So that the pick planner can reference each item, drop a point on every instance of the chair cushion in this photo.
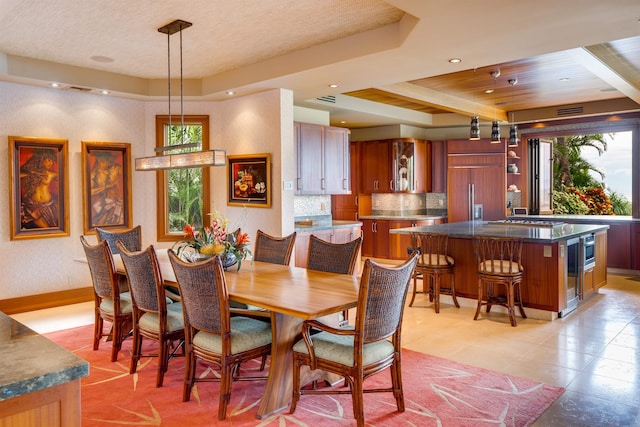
(125, 304)
(435, 259)
(496, 266)
(175, 320)
(246, 334)
(339, 349)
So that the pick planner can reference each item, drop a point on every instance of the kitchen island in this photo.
(544, 257)
(39, 380)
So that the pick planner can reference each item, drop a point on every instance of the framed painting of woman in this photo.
(38, 187)
(106, 185)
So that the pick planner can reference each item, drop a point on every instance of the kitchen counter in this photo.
(404, 217)
(326, 226)
(528, 233)
(36, 372)
(544, 257)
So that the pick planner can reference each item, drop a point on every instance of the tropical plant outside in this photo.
(185, 185)
(576, 191)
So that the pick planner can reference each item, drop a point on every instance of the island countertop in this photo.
(529, 233)
(31, 362)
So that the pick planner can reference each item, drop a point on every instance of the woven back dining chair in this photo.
(131, 239)
(434, 263)
(211, 334)
(499, 264)
(110, 304)
(370, 347)
(334, 258)
(153, 318)
(272, 249)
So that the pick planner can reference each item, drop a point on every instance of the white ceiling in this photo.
(303, 45)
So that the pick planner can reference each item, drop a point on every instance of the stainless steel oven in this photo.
(588, 251)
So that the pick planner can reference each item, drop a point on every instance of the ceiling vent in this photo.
(328, 98)
(570, 111)
(79, 89)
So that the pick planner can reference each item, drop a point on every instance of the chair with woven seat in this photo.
(434, 262)
(110, 304)
(370, 347)
(499, 263)
(334, 258)
(274, 250)
(153, 318)
(211, 334)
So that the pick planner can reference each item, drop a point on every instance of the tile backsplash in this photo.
(408, 204)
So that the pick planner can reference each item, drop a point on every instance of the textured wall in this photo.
(261, 123)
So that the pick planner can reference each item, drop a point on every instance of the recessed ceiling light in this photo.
(488, 91)
(105, 92)
(333, 85)
(455, 60)
(230, 92)
(55, 84)
(343, 121)
(564, 79)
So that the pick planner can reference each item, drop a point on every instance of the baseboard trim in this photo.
(48, 300)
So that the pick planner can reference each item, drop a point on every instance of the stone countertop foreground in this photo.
(31, 362)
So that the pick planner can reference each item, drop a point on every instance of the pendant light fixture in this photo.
(179, 160)
(513, 129)
(495, 126)
(474, 131)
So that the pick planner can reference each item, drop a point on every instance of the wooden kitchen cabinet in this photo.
(345, 206)
(398, 243)
(395, 165)
(322, 159)
(375, 238)
(438, 166)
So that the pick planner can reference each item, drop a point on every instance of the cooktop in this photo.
(528, 222)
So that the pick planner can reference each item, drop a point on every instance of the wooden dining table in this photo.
(292, 295)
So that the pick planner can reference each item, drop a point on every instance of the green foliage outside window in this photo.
(185, 185)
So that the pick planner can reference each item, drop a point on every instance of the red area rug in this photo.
(438, 392)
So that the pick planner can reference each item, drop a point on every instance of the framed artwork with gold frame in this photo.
(249, 180)
(38, 187)
(106, 185)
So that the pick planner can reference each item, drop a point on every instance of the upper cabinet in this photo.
(395, 165)
(322, 159)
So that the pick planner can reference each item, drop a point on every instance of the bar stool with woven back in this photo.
(433, 263)
(499, 263)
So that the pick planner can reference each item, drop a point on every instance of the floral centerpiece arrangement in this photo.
(214, 240)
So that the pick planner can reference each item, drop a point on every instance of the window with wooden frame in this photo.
(183, 195)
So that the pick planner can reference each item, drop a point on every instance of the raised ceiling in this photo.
(389, 58)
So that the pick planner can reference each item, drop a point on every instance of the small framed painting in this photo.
(38, 187)
(249, 180)
(106, 185)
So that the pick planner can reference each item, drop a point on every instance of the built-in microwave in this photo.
(588, 247)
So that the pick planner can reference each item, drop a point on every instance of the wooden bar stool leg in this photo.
(415, 287)
(436, 292)
(453, 290)
(479, 300)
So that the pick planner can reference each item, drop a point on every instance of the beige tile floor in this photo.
(594, 352)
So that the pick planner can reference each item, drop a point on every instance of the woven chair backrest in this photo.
(333, 257)
(498, 255)
(131, 239)
(433, 248)
(145, 280)
(274, 250)
(203, 291)
(102, 268)
(381, 298)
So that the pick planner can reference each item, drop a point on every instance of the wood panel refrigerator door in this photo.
(489, 191)
(458, 195)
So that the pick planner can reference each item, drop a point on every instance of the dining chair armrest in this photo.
(315, 325)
